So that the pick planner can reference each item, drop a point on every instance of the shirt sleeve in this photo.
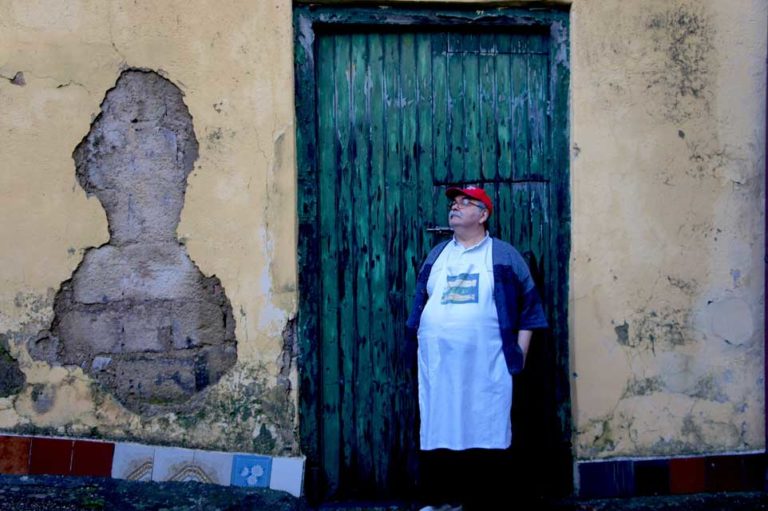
(530, 310)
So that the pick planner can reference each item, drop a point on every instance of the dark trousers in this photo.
(475, 478)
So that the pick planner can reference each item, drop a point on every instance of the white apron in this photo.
(465, 390)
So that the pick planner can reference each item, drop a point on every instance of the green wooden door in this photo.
(389, 116)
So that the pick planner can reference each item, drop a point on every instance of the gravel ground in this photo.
(49, 493)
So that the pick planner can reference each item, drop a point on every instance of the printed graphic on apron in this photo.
(461, 288)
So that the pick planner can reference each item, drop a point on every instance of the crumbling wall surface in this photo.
(138, 316)
(667, 263)
(111, 313)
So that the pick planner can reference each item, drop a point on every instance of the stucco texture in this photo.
(668, 108)
(666, 271)
(233, 63)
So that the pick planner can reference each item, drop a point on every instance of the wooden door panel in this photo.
(397, 116)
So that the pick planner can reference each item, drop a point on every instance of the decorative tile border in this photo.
(21, 455)
(665, 476)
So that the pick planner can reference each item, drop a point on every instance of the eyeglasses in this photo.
(463, 203)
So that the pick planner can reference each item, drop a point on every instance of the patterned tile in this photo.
(50, 456)
(173, 464)
(92, 458)
(251, 471)
(605, 479)
(14, 455)
(687, 475)
(176, 464)
(213, 467)
(287, 475)
(133, 461)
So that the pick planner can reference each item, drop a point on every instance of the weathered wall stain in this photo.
(138, 315)
(250, 412)
(651, 329)
(683, 34)
(622, 333)
(287, 361)
(598, 436)
(12, 379)
(687, 287)
(43, 397)
(666, 327)
(643, 386)
(709, 387)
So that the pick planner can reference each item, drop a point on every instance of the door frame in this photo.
(307, 21)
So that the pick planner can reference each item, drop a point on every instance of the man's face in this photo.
(466, 212)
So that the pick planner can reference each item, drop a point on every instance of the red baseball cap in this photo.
(472, 192)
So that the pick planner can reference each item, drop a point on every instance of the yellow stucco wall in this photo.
(233, 61)
(666, 273)
(667, 166)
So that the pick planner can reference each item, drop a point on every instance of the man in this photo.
(473, 315)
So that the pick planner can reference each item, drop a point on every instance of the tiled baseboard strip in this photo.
(21, 455)
(671, 476)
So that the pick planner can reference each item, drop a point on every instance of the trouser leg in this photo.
(440, 474)
(487, 485)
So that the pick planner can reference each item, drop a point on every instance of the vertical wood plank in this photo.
(441, 106)
(560, 235)
(502, 221)
(490, 122)
(470, 48)
(403, 389)
(425, 163)
(538, 115)
(520, 126)
(328, 148)
(363, 394)
(522, 216)
(347, 353)
(456, 109)
(393, 235)
(308, 250)
(378, 247)
(504, 102)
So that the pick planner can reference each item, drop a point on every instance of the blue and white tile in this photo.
(250, 470)
(172, 464)
(287, 475)
(134, 462)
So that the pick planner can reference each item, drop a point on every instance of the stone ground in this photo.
(49, 493)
